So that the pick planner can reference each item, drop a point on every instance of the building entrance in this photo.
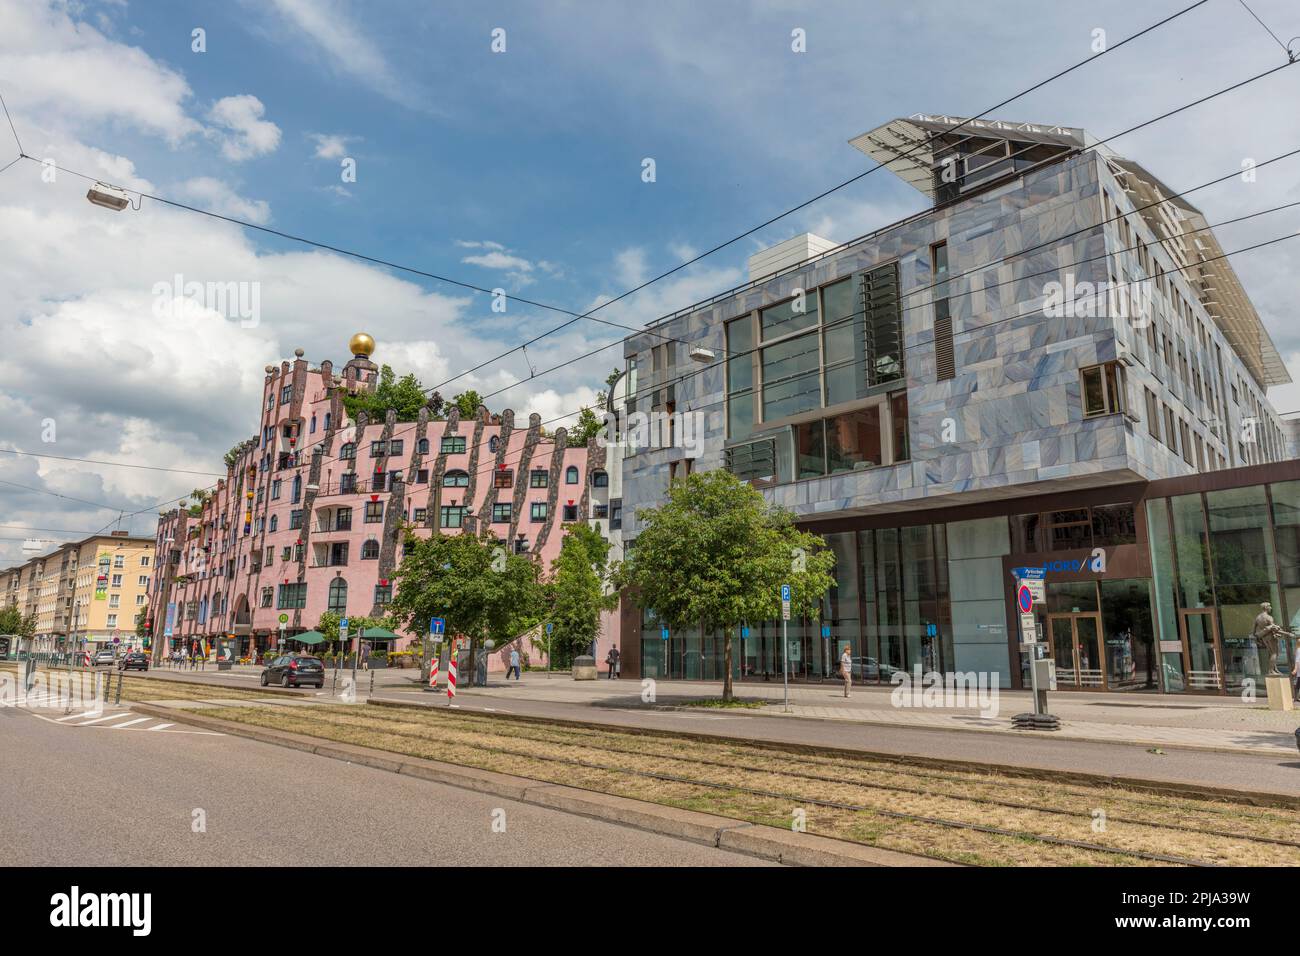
(1075, 641)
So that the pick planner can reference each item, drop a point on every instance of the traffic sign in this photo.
(744, 632)
(550, 626)
(343, 622)
(437, 625)
(665, 633)
(1028, 629)
(284, 618)
(1025, 599)
(826, 630)
(785, 602)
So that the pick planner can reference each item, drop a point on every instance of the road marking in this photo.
(162, 726)
(98, 719)
(138, 720)
(76, 716)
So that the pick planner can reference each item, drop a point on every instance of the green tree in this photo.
(404, 396)
(468, 403)
(716, 555)
(588, 425)
(139, 622)
(13, 622)
(577, 590)
(200, 497)
(474, 584)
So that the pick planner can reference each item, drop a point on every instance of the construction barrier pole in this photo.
(451, 677)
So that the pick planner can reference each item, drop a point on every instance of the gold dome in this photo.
(361, 344)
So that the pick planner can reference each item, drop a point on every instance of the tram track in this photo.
(873, 801)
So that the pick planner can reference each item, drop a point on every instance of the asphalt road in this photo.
(92, 796)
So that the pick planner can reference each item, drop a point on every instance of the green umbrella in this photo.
(308, 637)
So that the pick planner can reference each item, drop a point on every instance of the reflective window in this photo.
(799, 313)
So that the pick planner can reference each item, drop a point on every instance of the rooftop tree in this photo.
(716, 554)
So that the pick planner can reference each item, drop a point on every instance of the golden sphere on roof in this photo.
(361, 344)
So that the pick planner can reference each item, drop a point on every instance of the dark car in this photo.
(133, 661)
(293, 670)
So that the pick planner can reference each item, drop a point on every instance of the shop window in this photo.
(1113, 525)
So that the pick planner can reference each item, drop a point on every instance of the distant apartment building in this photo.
(314, 510)
(86, 593)
(1053, 362)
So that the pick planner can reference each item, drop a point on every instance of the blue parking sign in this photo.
(785, 592)
(665, 633)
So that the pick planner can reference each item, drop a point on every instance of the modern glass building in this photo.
(1053, 366)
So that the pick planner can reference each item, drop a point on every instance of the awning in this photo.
(379, 634)
(307, 637)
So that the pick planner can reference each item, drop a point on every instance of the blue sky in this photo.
(519, 169)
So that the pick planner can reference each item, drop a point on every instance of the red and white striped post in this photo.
(433, 672)
(451, 675)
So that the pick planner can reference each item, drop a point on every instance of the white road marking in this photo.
(138, 720)
(162, 726)
(98, 719)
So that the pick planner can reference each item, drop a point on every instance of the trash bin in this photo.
(584, 667)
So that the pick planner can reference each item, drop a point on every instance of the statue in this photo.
(1268, 631)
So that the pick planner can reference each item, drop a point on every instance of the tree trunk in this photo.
(726, 657)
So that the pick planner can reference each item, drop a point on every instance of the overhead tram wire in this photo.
(1285, 49)
(116, 464)
(1125, 132)
(822, 195)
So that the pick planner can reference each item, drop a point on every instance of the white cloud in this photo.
(630, 267)
(480, 244)
(217, 196)
(248, 135)
(331, 31)
(331, 145)
(499, 260)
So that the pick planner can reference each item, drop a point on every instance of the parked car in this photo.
(133, 661)
(293, 670)
(103, 657)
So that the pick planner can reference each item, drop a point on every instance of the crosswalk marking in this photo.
(162, 726)
(138, 720)
(98, 719)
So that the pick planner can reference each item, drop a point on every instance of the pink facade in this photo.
(312, 515)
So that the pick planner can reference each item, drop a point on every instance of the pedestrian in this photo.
(365, 656)
(846, 669)
(514, 664)
(612, 660)
(1295, 671)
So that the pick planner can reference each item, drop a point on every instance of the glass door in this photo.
(1075, 641)
(1201, 645)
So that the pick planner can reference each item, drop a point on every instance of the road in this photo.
(77, 795)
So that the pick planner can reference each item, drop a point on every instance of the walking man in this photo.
(612, 660)
(846, 669)
(514, 664)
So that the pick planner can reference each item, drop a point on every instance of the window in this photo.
(292, 596)
(615, 515)
(599, 479)
(348, 452)
(275, 522)
(420, 514)
(422, 476)
(383, 595)
(374, 512)
(144, 560)
(944, 361)
(117, 580)
(501, 512)
(295, 518)
(791, 373)
(139, 599)
(370, 550)
(112, 620)
(348, 483)
(740, 377)
(115, 600)
(143, 581)
(1102, 389)
(1153, 414)
(422, 446)
(268, 595)
(378, 449)
(493, 444)
(538, 478)
(453, 516)
(570, 513)
(453, 445)
(338, 599)
(455, 479)
(312, 429)
(571, 475)
(275, 489)
(396, 445)
(843, 343)
(270, 555)
(286, 394)
(119, 560)
(503, 478)
(343, 519)
(1171, 429)
(537, 511)
(793, 316)
(285, 552)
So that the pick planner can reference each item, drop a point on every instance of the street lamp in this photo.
(110, 197)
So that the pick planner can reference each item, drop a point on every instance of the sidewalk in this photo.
(1156, 720)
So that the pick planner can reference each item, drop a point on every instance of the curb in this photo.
(738, 836)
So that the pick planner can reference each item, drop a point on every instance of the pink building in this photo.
(310, 516)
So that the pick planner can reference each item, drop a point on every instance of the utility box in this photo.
(584, 667)
(1045, 674)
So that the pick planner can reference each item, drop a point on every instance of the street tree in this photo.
(579, 591)
(716, 554)
(12, 621)
(474, 584)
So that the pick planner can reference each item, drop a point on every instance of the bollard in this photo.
(334, 688)
(117, 698)
(372, 683)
